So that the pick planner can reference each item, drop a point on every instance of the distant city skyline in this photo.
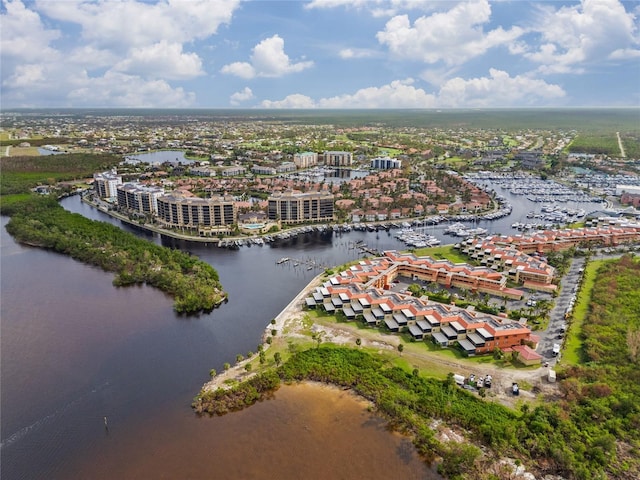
(319, 54)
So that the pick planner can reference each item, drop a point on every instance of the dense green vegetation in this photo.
(547, 435)
(34, 142)
(614, 119)
(631, 144)
(602, 396)
(614, 315)
(19, 174)
(41, 221)
(596, 144)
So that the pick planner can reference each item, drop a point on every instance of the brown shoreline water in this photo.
(309, 430)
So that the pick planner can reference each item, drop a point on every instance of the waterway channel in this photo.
(75, 350)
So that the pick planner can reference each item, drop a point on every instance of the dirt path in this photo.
(623, 154)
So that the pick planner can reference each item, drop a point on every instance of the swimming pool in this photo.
(252, 226)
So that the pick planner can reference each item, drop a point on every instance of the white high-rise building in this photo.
(139, 198)
(106, 184)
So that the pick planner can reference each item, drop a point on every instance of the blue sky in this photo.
(320, 53)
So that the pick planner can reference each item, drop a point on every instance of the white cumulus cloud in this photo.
(267, 60)
(577, 36)
(116, 89)
(161, 60)
(397, 94)
(23, 35)
(130, 23)
(295, 100)
(241, 96)
(378, 8)
(138, 45)
(453, 37)
(499, 89)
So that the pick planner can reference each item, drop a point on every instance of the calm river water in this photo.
(74, 350)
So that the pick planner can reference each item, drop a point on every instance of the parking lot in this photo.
(556, 330)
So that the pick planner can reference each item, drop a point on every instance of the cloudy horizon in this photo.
(315, 54)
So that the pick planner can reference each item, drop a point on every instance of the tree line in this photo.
(546, 435)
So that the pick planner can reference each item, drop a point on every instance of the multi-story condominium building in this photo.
(202, 171)
(530, 159)
(196, 213)
(305, 159)
(338, 159)
(557, 240)
(290, 207)
(233, 171)
(106, 184)
(285, 167)
(381, 273)
(263, 170)
(358, 293)
(385, 163)
(139, 198)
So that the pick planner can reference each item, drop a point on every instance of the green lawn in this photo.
(573, 345)
(443, 252)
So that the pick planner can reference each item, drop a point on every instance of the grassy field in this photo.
(444, 252)
(21, 151)
(573, 354)
(596, 143)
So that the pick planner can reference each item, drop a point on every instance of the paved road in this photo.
(569, 285)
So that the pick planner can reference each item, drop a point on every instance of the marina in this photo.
(116, 363)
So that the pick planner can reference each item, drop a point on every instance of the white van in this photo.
(556, 349)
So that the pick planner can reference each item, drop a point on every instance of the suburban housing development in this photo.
(362, 292)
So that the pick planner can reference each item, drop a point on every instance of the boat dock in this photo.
(308, 263)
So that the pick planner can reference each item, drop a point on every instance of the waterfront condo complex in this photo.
(295, 207)
(362, 292)
(208, 215)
